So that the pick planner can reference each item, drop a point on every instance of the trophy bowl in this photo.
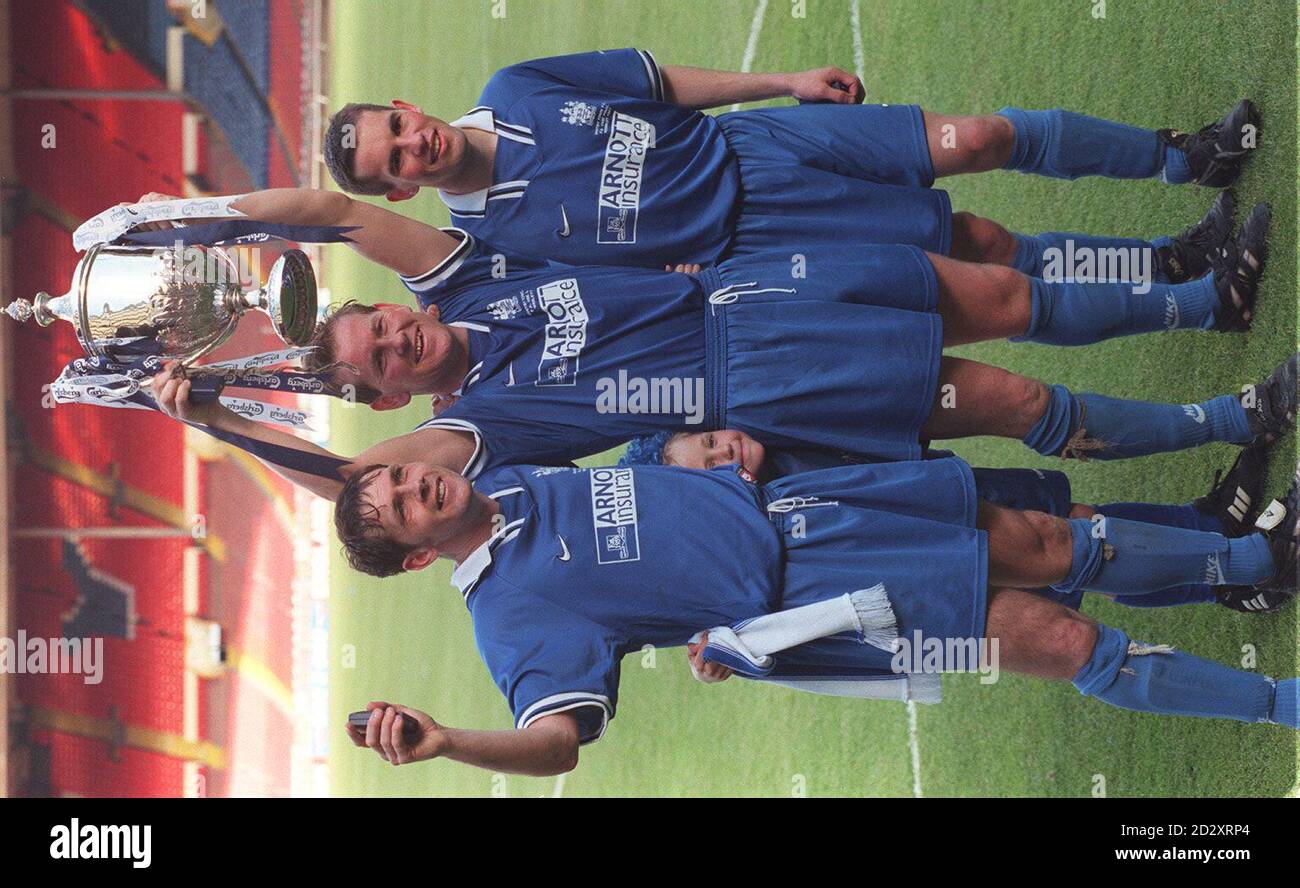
(188, 299)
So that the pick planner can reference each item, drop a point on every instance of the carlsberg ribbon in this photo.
(221, 224)
(110, 383)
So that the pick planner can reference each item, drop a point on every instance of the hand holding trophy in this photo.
(145, 294)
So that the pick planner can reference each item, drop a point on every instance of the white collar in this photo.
(470, 571)
(481, 118)
(475, 202)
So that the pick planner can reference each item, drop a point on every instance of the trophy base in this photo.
(291, 297)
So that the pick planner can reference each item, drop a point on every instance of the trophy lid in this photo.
(291, 297)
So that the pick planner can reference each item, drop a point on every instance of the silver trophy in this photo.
(125, 292)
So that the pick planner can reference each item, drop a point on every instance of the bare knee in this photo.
(974, 144)
(1069, 640)
(977, 239)
(985, 142)
(1026, 400)
(1051, 537)
(1080, 510)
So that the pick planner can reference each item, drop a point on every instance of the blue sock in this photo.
(1158, 679)
(1174, 596)
(1286, 702)
(1185, 516)
(1098, 427)
(1065, 145)
(1081, 314)
(1064, 255)
(1176, 171)
(1121, 557)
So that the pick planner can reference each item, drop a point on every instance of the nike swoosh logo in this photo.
(565, 547)
(563, 232)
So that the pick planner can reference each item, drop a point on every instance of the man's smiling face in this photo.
(424, 507)
(420, 505)
(399, 352)
(406, 149)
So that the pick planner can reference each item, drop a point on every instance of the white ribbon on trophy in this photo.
(108, 226)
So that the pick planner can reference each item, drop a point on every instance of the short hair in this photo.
(324, 354)
(341, 152)
(648, 450)
(366, 544)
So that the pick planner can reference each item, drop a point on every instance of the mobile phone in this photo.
(410, 727)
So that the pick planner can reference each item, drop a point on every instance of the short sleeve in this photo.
(546, 660)
(625, 72)
(471, 262)
(511, 431)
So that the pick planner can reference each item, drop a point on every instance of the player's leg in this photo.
(1176, 259)
(1122, 558)
(979, 399)
(1046, 639)
(980, 301)
(992, 301)
(1059, 255)
(978, 239)
(1066, 145)
(1229, 508)
(968, 143)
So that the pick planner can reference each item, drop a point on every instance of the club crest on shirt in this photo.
(578, 113)
(505, 309)
(566, 332)
(613, 513)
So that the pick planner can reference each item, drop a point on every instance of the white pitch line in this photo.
(859, 54)
(915, 747)
(751, 45)
(558, 792)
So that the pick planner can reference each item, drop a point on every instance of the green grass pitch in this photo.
(1154, 63)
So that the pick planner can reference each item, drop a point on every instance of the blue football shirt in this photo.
(555, 369)
(590, 564)
(594, 168)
